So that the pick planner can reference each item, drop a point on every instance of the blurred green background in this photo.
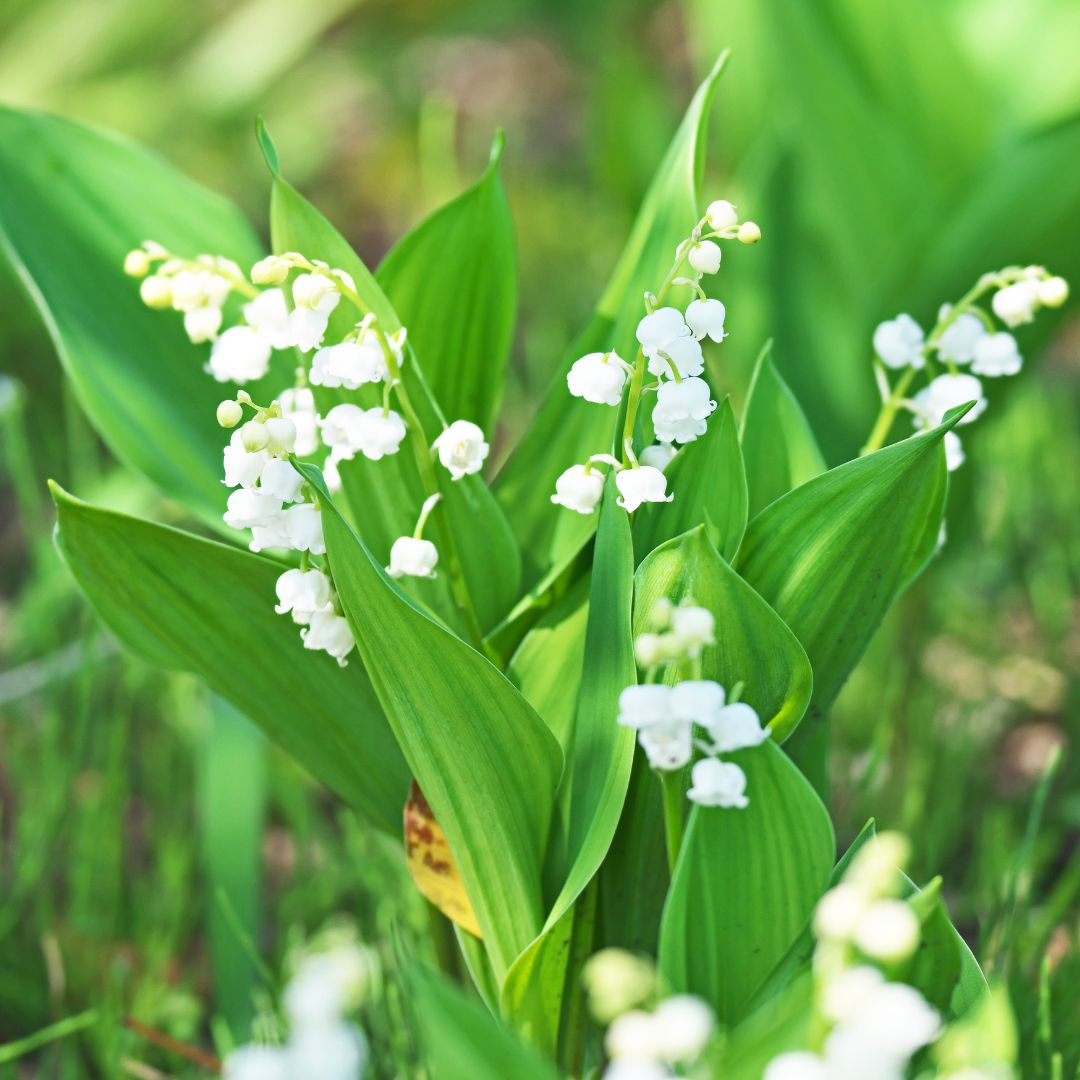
(150, 844)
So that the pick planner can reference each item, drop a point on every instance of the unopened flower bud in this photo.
(229, 413)
(156, 292)
(280, 435)
(649, 650)
(137, 263)
(704, 257)
(694, 627)
(616, 981)
(660, 616)
(748, 233)
(889, 931)
(721, 215)
(1053, 292)
(254, 436)
(272, 270)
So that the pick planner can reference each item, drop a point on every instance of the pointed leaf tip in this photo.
(266, 145)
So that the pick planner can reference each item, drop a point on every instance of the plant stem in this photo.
(674, 801)
(889, 408)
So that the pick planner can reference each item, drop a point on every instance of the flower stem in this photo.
(674, 802)
(880, 431)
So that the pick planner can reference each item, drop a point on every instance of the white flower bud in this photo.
(281, 435)
(736, 727)
(298, 405)
(1053, 292)
(658, 456)
(718, 783)
(462, 449)
(229, 413)
(137, 263)
(995, 355)
(847, 991)
(888, 931)
(748, 233)
(649, 650)
(899, 343)
(239, 355)
(695, 628)
(579, 490)
(1016, 304)
(957, 343)
(876, 863)
(312, 291)
(632, 1037)
(838, 912)
(704, 257)
(303, 593)
(598, 377)
(706, 319)
(254, 436)
(202, 324)
(685, 1025)
(272, 270)
(413, 557)
(616, 981)
(156, 291)
(328, 632)
(641, 485)
(720, 214)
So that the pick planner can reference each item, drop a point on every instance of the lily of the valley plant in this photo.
(595, 685)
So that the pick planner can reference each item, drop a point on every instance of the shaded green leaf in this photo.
(183, 602)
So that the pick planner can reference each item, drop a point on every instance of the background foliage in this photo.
(891, 155)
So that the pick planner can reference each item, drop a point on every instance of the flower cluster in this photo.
(670, 351)
(287, 305)
(647, 1038)
(967, 343)
(665, 716)
(325, 988)
(865, 934)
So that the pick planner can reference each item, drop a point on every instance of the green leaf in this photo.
(777, 444)
(710, 489)
(182, 602)
(464, 1041)
(593, 792)
(744, 884)
(935, 968)
(567, 430)
(485, 761)
(453, 282)
(73, 202)
(384, 497)
(832, 555)
(753, 645)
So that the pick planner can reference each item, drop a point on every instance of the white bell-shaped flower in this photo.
(598, 377)
(996, 355)
(315, 292)
(899, 343)
(685, 1024)
(191, 289)
(954, 454)
(668, 745)
(697, 701)
(633, 1037)
(579, 490)
(721, 214)
(202, 324)
(706, 319)
(838, 912)
(273, 534)
(684, 352)
(269, 315)
(249, 507)
(341, 428)
(660, 327)
(682, 409)
(796, 1065)
(845, 992)
(641, 485)
(888, 931)
(1016, 304)
(948, 392)
(957, 343)
(694, 626)
(333, 1052)
(658, 456)
(330, 633)
(239, 355)
(280, 435)
(1053, 292)
(256, 1063)
(412, 557)
(642, 706)
(307, 328)
(893, 1022)
(242, 467)
(380, 433)
(350, 364)
(303, 525)
(303, 592)
(736, 727)
(298, 405)
(272, 270)
(462, 449)
(280, 479)
(704, 257)
(718, 783)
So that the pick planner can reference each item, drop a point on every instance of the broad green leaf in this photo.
(594, 789)
(832, 555)
(485, 761)
(183, 602)
(567, 430)
(453, 282)
(935, 968)
(384, 497)
(753, 645)
(777, 444)
(745, 883)
(709, 483)
(73, 201)
(464, 1041)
